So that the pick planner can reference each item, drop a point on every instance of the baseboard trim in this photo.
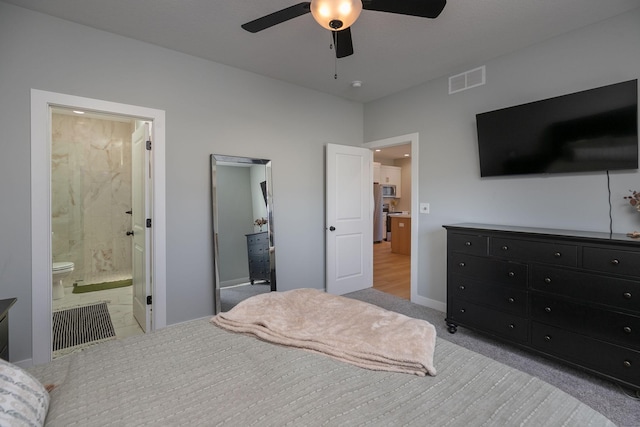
(234, 282)
(428, 302)
(24, 364)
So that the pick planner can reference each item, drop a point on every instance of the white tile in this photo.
(119, 302)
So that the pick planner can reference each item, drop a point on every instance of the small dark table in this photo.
(5, 305)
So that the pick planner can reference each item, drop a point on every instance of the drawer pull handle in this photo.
(547, 309)
(626, 364)
(615, 262)
(511, 300)
(467, 243)
(512, 274)
(462, 310)
(547, 280)
(547, 338)
(462, 264)
(512, 326)
(627, 295)
(461, 287)
(505, 248)
(557, 254)
(627, 329)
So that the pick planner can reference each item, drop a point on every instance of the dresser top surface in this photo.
(551, 232)
(5, 305)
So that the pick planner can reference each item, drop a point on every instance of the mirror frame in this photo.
(220, 159)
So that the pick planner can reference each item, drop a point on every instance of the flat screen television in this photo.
(592, 130)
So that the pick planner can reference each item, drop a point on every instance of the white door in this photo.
(140, 184)
(349, 219)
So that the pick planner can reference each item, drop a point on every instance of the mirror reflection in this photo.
(244, 253)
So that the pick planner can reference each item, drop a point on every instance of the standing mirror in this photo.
(242, 208)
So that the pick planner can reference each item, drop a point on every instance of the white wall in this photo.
(210, 108)
(235, 220)
(258, 203)
(601, 54)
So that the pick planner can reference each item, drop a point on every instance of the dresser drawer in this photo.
(610, 326)
(593, 288)
(258, 263)
(609, 359)
(468, 243)
(257, 237)
(526, 250)
(611, 261)
(491, 270)
(503, 298)
(257, 250)
(501, 324)
(259, 260)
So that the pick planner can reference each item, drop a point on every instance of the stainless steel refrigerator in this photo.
(379, 227)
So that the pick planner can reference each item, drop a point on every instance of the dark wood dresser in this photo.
(5, 305)
(258, 253)
(570, 295)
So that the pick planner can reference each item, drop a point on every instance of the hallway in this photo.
(391, 272)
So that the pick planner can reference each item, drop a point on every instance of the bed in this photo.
(197, 373)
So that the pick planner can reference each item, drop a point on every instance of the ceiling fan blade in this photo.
(278, 17)
(421, 8)
(343, 42)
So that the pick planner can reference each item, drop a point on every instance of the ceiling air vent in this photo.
(467, 80)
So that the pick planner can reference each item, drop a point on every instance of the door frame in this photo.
(41, 290)
(413, 139)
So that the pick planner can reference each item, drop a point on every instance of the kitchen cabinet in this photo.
(376, 172)
(392, 175)
(401, 234)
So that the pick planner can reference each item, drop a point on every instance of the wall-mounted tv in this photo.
(593, 130)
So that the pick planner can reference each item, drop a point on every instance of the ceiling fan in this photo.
(338, 16)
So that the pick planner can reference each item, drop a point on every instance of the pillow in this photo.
(23, 400)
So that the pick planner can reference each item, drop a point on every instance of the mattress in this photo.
(198, 374)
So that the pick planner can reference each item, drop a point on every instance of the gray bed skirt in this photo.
(197, 374)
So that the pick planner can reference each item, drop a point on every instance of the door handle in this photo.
(332, 228)
(129, 212)
(129, 233)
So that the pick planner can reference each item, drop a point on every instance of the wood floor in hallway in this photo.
(391, 272)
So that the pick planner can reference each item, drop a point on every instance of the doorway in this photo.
(91, 208)
(395, 269)
(392, 252)
(42, 104)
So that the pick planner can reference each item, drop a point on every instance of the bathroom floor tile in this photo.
(119, 302)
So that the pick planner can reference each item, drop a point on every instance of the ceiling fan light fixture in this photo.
(336, 15)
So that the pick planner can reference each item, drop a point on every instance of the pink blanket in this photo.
(348, 330)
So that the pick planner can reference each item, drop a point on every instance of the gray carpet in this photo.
(608, 398)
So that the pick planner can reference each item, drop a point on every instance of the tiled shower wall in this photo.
(91, 191)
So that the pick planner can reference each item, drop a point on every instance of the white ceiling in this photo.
(392, 52)
(392, 153)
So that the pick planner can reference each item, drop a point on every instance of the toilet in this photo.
(59, 271)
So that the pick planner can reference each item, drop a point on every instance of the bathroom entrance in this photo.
(95, 164)
(83, 168)
(91, 172)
